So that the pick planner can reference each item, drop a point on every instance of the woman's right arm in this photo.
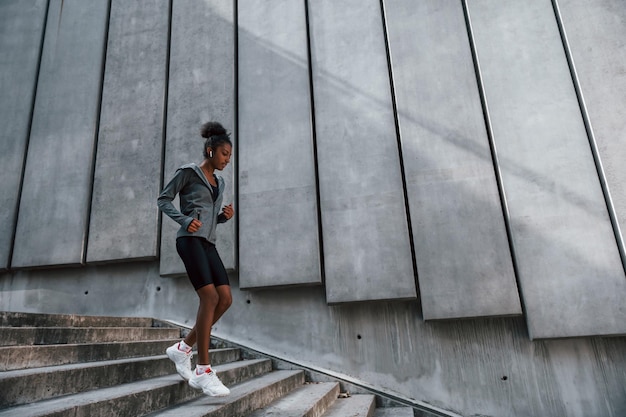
(164, 201)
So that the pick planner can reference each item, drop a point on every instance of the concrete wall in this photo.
(408, 162)
(479, 367)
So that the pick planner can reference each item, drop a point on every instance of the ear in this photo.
(209, 151)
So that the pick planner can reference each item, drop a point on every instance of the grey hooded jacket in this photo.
(196, 201)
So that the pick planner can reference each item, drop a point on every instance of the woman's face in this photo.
(221, 156)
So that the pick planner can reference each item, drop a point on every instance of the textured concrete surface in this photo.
(308, 400)
(39, 336)
(367, 253)
(355, 406)
(558, 212)
(124, 217)
(22, 357)
(21, 29)
(278, 215)
(570, 273)
(201, 88)
(385, 344)
(18, 319)
(595, 37)
(243, 397)
(462, 252)
(393, 412)
(52, 222)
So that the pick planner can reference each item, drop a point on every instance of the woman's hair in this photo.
(215, 136)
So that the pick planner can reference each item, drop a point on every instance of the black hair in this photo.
(215, 136)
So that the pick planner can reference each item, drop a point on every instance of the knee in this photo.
(210, 298)
(225, 301)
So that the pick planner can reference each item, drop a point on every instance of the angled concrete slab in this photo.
(367, 250)
(21, 30)
(596, 41)
(201, 88)
(54, 206)
(124, 218)
(461, 247)
(278, 216)
(569, 269)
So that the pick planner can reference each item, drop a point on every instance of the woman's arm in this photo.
(164, 201)
(226, 214)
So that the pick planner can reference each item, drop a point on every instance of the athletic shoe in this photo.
(182, 360)
(209, 383)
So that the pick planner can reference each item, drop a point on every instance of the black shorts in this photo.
(202, 262)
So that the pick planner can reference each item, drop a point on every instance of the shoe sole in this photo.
(193, 385)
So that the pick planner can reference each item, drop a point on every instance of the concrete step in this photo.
(355, 406)
(57, 365)
(309, 400)
(136, 398)
(243, 399)
(12, 336)
(36, 356)
(394, 412)
(29, 385)
(13, 319)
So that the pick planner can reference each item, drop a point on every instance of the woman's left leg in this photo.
(224, 302)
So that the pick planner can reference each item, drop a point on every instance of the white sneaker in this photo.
(182, 361)
(209, 383)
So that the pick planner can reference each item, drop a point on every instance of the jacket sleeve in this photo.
(221, 218)
(164, 201)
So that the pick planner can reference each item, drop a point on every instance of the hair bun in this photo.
(212, 129)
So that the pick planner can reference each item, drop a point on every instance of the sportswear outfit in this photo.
(197, 201)
(202, 201)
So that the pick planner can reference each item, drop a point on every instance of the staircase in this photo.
(68, 365)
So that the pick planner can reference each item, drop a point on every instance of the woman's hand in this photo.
(194, 226)
(228, 211)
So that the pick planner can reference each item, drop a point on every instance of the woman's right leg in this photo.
(209, 299)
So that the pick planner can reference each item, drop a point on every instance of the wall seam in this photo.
(394, 105)
(28, 133)
(96, 136)
(619, 240)
(236, 129)
(318, 194)
(492, 146)
(166, 87)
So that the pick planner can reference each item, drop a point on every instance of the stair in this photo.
(69, 365)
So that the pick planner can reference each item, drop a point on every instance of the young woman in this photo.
(201, 193)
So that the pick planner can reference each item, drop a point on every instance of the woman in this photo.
(201, 193)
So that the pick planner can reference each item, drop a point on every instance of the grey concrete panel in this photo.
(367, 252)
(570, 274)
(596, 32)
(452, 191)
(52, 221)
(21, 29)
(124, 217)
(278, 217)
(201, 88)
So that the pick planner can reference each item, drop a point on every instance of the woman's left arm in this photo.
(227, 213)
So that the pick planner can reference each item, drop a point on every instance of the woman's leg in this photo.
(209, 300)
(225, 300)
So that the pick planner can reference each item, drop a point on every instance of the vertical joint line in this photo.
(318, 193)
(591, 136)
(96, 135)
(399, 142)
(236, 127)
(27, 139)
(492, 147)
(166, 86)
